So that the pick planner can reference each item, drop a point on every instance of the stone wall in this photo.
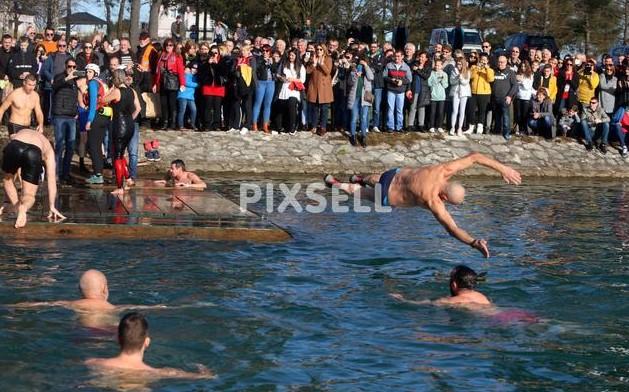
(305, 153)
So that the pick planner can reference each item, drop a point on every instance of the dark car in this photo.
(524, 41)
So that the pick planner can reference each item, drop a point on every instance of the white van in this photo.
(471, 38)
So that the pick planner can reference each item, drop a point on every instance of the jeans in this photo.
(132, 148)
(264, 97)
(600, 131)
(189, 104)
(542, 126)
(65, 134)
(319, 111)
(396, 105)
(412, 112)
(503, 121)
(620, 134)
(361, 113)
(377, 107)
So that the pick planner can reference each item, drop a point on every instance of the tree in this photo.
(154, 17)
(134, 30)
(121, 12)
(68, 13)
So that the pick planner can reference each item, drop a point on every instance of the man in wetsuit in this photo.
(23, 101)
(28, 150)
(427, 187)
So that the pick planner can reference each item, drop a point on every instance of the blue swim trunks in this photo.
(385, 182)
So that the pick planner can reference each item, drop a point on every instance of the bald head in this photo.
(93, 285)
(454, 193)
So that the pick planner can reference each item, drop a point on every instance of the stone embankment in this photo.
(305, 153)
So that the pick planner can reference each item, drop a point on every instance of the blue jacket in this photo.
(191, 85)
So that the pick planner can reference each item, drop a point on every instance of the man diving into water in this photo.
(427, 187)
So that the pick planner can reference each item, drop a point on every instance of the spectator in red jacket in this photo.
(169, 79)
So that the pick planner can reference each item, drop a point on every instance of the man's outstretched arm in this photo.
(438, 209)
(510, 175)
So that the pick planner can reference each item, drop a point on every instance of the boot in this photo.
(120, 169)
(255, 127)
(265, 127)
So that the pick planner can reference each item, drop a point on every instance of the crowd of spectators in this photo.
(243, 84)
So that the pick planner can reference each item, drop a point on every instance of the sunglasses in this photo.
(515, 51)
(593, 102)
(49, 34)
(88, 47)
(486, 46)
(319, 49)
(609, 65)
(170, 45)
(62, 46)
(71, 66)
(569, 64)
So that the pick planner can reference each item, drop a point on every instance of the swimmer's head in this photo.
(133, 333)
(453, 193)
(462, 277)
(29, 83)
(177, 167)
(93, 285)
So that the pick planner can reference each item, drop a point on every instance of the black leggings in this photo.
(522, 111)
(123, 128)
(480, 104)
(168, 103)
(287, 106)
(437, 109)
(212, 111)
(95, 138)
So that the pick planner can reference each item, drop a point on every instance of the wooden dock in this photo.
(141, 213)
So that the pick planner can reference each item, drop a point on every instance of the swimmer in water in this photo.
(179, 177)
(463, 281)
(134, 339)
(94, 308)
(427, 187)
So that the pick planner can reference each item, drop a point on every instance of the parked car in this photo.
(459, 38)
(524, 41)
(617, 51)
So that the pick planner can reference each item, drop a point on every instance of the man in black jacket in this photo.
(5, 55)
(503, 90)
(22, 63)
(64, 112)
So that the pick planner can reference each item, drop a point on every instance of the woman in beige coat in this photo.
(319, 91)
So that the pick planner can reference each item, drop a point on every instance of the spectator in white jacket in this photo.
(293, 76)
(460, 91)
(525, 93)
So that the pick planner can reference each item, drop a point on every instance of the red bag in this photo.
(624, 122)
(296, 85)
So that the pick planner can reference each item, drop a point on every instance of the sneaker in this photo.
(355, 179)
(95, 179)
(507, 137)
(363, 141)
(589, 147)
(441, 130)
(375, 129)
(459, 132)
(451, 133)
(330, 180)
(156, 156)
(479, 129)
(149, 156)
(624, 153)
(431, 130)
(244, 130)
(470, 130)
(293, 132)
(603, 148)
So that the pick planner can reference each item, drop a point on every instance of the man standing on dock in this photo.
(28, 151)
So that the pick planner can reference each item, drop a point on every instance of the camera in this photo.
(80, 74)
(588, 69)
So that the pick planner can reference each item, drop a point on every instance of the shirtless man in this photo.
(427, 187)
(28, 150)
(463, 281)
(134, 340)
(180, 177)
(23, 101)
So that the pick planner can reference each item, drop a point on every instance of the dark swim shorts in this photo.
(13, 128)
(22, 155)
(385, 183)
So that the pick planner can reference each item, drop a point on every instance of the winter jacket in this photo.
(607, 92)
(367, 86)
(174, 64)
(438, 82)
(82, 60)
(622, 93)
(481, 79)
(544, 108)
(19, 63)
(5, 56)
(567, 88)
(191, 85)
(287, 72)
(525, 87)
(550, 84)
(377, 66)
(264, 70)
(320, 84)
(54, 65)
(212, 78)
(64, 98)
(587, 86)
(592, 117)
(460, 84)
(393, 72)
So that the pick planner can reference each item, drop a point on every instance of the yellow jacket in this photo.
(552, 87)
(587, 86)
(481, 77)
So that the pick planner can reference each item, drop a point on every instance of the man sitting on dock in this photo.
(427, 187)
(26, 152)
(178, 176)
(133, 339)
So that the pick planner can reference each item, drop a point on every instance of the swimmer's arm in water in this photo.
(442, 215)
(195, 182)
(140, 307)
(400, 297)
(510, 175)
(26, 305)
(203, 373)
